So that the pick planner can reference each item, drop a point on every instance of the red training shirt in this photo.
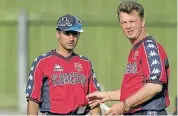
(147, 63)
(60, 84)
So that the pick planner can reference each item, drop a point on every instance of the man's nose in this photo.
(128, 25)
(71, 37)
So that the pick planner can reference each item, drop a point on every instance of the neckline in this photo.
(68, 58)
(138, 44)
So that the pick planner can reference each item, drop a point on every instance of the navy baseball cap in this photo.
(69, 23)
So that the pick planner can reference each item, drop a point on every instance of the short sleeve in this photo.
(154, 62)
(93, 82)
(34, 83)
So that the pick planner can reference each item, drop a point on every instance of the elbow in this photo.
(158, 89)
(155, 88)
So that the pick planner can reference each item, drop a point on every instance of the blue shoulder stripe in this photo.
(153, 57)
(30, 83)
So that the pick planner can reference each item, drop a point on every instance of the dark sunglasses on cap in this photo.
(73, 33)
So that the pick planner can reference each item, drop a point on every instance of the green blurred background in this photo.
(102, 42)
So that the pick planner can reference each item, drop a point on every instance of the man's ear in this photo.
(143, 22)
(57, 34)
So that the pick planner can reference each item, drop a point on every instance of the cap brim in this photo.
(81, 30)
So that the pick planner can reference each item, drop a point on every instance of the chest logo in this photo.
(78, 66)
(135, 55)
(131, 68)
(57, 67)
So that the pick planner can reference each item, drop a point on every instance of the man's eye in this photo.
(123, 22)
(132, 21)
(67, 33)
(73, 33)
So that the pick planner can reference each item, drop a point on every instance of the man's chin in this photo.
(70, 49)
(131, 37)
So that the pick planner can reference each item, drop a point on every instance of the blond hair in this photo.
(130, 6)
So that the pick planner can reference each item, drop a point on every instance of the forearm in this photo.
(142, 101)
(147, 92)
(114, 95)
(32, 108)
(96, 111)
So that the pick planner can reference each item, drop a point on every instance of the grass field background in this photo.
(102, 42)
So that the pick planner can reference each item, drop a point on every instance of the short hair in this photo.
(129, 6)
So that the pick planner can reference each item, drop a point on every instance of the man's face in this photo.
(131, 24)
(68, 39)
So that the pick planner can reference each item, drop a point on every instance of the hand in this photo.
(116, 109)
(97, 97)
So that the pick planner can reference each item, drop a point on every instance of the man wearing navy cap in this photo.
(60, 79)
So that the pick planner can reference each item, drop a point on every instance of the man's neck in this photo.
(64, 52)
(142, 36)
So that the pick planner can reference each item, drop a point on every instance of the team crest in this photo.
(135, 55)
(78, 66)
(57, 67)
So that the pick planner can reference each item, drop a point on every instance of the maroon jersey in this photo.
(147, 63)
(59, 84)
